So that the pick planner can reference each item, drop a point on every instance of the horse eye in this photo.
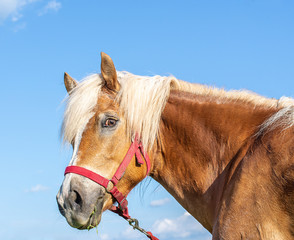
(109, 122)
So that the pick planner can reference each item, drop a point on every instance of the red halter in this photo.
(136, 149)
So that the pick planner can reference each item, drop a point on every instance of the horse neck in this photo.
(198, 141)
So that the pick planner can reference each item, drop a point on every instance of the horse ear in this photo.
(69, 82)
(109, 73)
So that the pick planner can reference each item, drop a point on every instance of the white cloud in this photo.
(130, 233)
(16, 17)
(38, 188)
(104, 237)
(51, 6)
(160, 202)
(19, 27)
(12, 8)
(181, 227)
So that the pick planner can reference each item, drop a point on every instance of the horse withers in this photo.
(226, 157)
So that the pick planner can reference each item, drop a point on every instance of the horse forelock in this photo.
(80, 106)
(141, 101)
(143, 98)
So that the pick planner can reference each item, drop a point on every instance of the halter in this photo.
(136, 149)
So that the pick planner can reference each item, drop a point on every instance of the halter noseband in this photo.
(136, 149)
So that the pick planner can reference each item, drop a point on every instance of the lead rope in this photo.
(135, 224)
(132, 221)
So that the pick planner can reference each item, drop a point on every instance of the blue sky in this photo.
(244, 44)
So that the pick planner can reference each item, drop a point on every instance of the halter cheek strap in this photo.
(136, 149)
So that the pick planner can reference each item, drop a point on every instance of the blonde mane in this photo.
(142, 100)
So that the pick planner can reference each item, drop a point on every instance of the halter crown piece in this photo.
(136, 149)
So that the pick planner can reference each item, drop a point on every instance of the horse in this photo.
(226, 156)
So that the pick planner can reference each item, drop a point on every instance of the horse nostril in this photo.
(78, 199)
(75, 200)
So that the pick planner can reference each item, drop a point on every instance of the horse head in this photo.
(97, 130)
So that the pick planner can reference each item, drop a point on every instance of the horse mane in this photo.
(143, 98)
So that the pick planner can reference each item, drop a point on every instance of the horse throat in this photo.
(199, 143)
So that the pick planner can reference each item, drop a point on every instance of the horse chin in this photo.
(82, 222)
(92, 222)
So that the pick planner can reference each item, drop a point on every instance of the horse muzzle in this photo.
(80, 201)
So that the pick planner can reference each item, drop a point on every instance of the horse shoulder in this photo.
(258, 200)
